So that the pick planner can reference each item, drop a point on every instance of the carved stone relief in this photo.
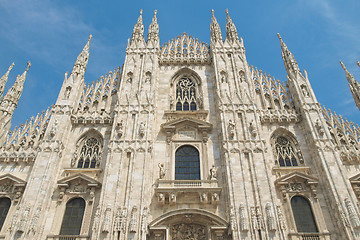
(185, 231)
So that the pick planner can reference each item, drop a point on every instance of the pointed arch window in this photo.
(303, 215)
(4, 209)
(285, 152)
(186, 95)
(73, 217)
(89, 156)
(187, 163)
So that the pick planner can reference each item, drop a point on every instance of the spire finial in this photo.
(138, 32)
(358, 63)
(153, 33)
(353, 84)
(289, 59)
(82, 60)
(215, 30)
(3, 80)
(28, 66)
(231, 32)
(343, 66)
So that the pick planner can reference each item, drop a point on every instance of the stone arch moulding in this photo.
(187, 72)
(178, 223)
(92, 133)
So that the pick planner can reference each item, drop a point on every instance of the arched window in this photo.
(303, 215)
(187, 163)
(4, 209)
(89, 156)
(284, 152)
(74, 213)
(185, 95)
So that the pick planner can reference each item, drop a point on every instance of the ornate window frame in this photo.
(76, 186)
(304, 185)
(293, 144)
(80, 144)
(186, 74)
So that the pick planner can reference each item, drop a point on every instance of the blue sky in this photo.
(52, 33)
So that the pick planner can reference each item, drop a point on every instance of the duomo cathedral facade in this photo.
(186, 141)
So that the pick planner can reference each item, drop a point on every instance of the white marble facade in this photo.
(112, 145)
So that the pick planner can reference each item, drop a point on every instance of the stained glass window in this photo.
(303, 215)
(4, 209)
(89, 154)
(187, 163)
(185, 95)
(285, 153)
(73, 217)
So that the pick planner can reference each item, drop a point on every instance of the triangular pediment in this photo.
(11, 178)
(79, 177)
(296, 177)
(187, 121)
(355, 179)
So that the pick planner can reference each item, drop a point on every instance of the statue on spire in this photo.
(353, 84)
(231, 32)
(138, 33)
(82, 60)
(358, 63)
(290, 63)
(4, 79)
(153, 34)
(11, 99)
(215, 30)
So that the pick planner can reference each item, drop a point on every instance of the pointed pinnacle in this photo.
(140, 17)
(6, 75)
(343, 66)
(212, 12)
(28, 66)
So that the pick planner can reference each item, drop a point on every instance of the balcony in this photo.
(173, 191)
(68, 237)
(309, 236)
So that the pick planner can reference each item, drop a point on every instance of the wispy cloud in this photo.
(341, 27)
(37, 27)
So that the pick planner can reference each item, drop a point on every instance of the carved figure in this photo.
(53, 129)
(319, 127)
(213, 171)
(252, 128)
(172, 198)
(161, 171)
(203, 198)
(231, 128)
(67, 93)
(171, 101)
(189, 231)
(119, 128)
(142, 129)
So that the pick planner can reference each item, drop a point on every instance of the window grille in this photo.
(73, 217)
(284, 153)
(4, 209)
(303, 215)
(89, 154)
(185, 95)
(187, 163)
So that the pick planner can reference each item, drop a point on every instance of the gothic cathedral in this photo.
(186, 141)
